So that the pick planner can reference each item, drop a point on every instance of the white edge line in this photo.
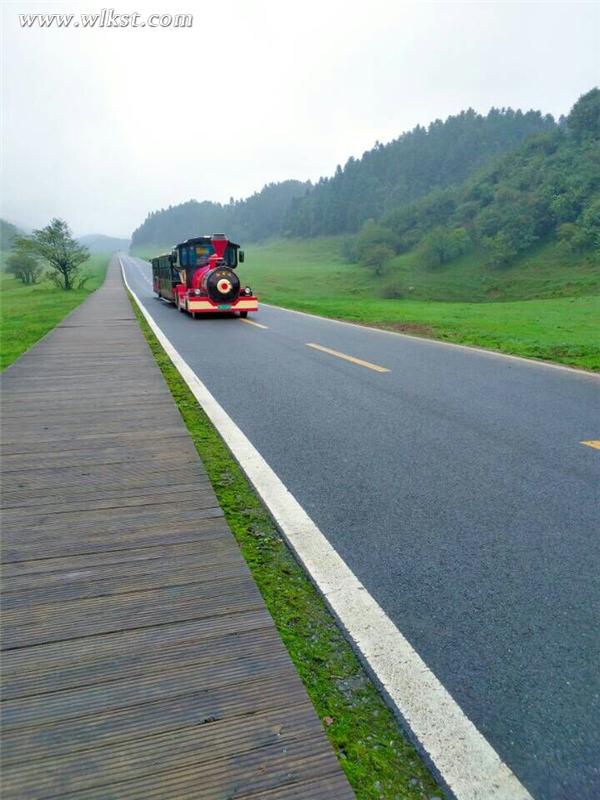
(465, 761)
(533, 362)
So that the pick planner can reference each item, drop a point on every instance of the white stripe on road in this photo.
(346, 357)
(256, 324)
(466, 762)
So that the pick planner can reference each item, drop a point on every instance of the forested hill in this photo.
(409, 167)
(252, 219)
(387, 176)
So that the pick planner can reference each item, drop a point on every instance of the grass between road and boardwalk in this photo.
(376, 757)
(28, 312)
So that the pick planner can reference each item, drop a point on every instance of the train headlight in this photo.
(248, 290)
(196, 292)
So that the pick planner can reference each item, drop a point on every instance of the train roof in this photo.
(206, 238)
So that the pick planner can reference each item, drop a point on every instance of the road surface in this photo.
(454, 483)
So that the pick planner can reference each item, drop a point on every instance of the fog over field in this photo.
(103, 125)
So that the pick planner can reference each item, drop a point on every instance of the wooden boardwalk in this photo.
(139, 660)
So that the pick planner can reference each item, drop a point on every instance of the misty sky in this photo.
(101, 126)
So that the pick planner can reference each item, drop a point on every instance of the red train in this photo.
(198, 277)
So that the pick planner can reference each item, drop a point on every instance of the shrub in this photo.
(25, 267)
(443, 245)
(393, 289)
(376, 257)
(349, 249)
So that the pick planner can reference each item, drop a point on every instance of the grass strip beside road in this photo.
(28, 312)
(562, 331)
(542, 308)
(378, 760)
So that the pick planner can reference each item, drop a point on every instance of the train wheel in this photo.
(243, 314)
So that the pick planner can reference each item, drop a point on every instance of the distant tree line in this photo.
(257, 217)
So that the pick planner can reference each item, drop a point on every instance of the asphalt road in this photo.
(456, 488)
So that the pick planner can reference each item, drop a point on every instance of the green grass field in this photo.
(483, 307)
(29, 312)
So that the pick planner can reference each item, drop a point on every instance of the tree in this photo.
(584, 119)
(371, 236)
(376, 257)
(55, 245)
(590, 225)
(442, 245)
(499, 250)
(24, 266)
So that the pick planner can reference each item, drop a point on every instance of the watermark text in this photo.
(106, 18)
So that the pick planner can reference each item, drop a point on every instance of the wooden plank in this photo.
(195, 550)
(252, 776)
(60, 627)
(199, 648)
(30, 712)
(171, 575)
(212, 528)
(107, 578)
(91, 650)
(203, 744)
(193, 708)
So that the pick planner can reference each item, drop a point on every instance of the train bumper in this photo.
(204, 305)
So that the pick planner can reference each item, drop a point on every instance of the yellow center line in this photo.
(352, 360)
(595, 443)
(256, 324)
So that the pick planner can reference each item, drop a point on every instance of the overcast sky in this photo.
(101, 126)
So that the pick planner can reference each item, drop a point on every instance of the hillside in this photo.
(541, 200)
(398, 173)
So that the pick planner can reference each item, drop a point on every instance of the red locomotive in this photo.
(198, 277)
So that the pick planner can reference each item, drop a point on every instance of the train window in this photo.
(203, 252)
(184, 256)
(230, 256)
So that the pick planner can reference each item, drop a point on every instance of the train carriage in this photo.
(198, 276)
